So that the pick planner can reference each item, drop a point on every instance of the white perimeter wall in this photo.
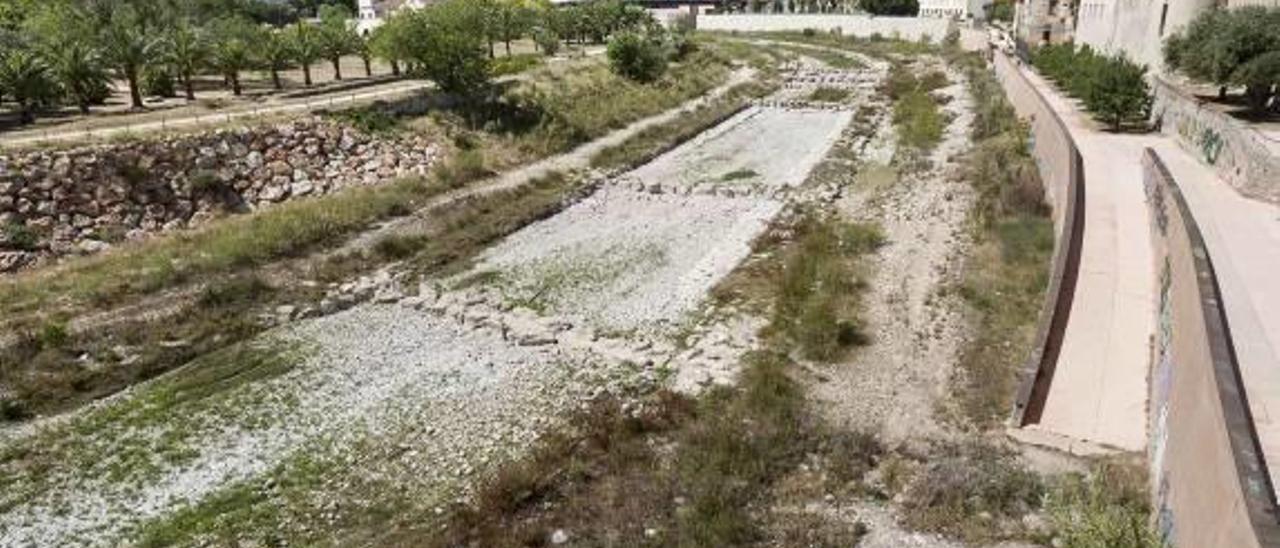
(862, 26)
(1132, 27)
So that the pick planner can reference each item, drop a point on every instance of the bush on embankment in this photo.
(1113, 88)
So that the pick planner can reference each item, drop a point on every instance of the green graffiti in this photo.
(1210, 145)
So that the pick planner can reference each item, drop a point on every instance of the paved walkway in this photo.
(1243, 237)
(1099, 390)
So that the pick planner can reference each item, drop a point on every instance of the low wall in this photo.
(1062, 172)
(80, 200)
(861, 26)
(1241, 156)
(1210, 482)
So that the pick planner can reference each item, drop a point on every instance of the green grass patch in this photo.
(819, 286)
(920, 123)
(829, 95)
(514, 64)
(739, 174)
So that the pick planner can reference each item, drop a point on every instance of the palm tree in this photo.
(305, 42)
(277, 54)
(231, 53)
(187, 53)
(27, 78)
(81, 71)
(130, 48)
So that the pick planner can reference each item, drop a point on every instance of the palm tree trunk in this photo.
(84, 105)
(337, 67)
(135, 95)
(235, 83)
(275, 78)
(508, 41)
(306, 74)
(187, 85)
(491, 55)
(368, 67)
(27, 114)
(395, 68)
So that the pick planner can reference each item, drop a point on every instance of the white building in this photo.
(371, 13)
(945, 9)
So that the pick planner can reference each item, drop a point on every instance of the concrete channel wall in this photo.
(861, 26)
(1210, 483)
(1062, 172)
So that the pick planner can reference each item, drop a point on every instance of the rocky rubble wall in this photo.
(81, 200)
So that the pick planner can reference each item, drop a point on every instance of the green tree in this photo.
(337, 38)
(305, 41)
(130, 48)
(27, 78)
(389, 41)
(233, 43)
(187, 53)
(276, 54)
(1236, 47)
(1119, 93)
(444, 45)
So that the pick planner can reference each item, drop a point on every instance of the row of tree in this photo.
(65, 52)
(1113, 88)
(1235, 47)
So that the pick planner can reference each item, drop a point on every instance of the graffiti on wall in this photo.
(1207, 140)
(1163, 358)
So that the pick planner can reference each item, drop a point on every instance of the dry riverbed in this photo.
(395, 406)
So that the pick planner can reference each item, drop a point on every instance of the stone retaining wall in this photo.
(1209, 480)
(861, 26)
(80, 200)
(1242, 156)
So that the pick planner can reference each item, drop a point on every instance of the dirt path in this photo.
(893, 386)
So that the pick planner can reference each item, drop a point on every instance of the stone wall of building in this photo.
(862, 26)
(81, 200)
(1241, 155)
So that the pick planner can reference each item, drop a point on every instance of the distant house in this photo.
(371, 13)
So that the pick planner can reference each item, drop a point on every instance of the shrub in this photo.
(547, 40)
(1108, 508)
(1112, 88)
(20, 237)
(369, 119)
(637, 57)
(159, 82)
(966, 488)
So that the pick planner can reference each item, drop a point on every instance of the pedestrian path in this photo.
(1098, 393)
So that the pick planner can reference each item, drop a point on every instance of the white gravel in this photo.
(627, 260)
(775, 147)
